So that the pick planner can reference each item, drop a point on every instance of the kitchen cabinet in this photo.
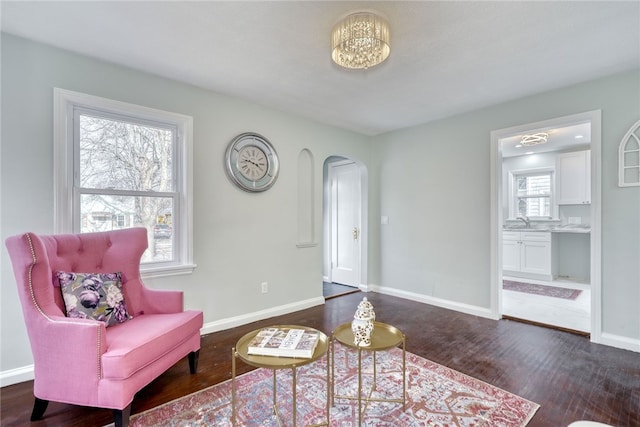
(573, 178)
(527, 252)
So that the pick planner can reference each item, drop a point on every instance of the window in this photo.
(532, 195)
(120, 165)
(629, 158)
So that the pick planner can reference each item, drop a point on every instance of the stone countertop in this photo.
(571, 229)
(581, 229)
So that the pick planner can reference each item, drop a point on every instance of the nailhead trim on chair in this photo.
(35, 260)
(35, 303)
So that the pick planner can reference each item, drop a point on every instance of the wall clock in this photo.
(251, 162)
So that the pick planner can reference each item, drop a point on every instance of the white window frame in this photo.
(513, 176)
(625, 150)
(65, 104)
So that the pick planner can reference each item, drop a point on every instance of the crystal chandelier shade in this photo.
(360, 41)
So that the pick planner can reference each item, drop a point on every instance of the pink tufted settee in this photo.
(81, 361)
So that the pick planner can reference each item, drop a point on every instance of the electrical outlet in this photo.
(265, 287)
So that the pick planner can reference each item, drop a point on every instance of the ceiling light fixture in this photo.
(360, 40)
(534, 139)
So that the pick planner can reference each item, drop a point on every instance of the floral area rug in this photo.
(544, 290)
(435, 396)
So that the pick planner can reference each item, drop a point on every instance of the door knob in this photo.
(355, 233)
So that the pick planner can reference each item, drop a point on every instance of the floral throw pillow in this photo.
(94, 296)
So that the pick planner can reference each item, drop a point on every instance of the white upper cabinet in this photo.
(573, 178)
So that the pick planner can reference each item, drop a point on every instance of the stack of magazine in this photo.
(284, 342)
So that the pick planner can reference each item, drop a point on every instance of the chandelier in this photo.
(534, 139)
(360, 40)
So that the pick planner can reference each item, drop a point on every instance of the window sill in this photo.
(166, 271)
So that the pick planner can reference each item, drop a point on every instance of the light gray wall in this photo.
(435, 188)
(241, 239)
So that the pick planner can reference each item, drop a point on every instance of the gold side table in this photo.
(272, 362)
(384, 337)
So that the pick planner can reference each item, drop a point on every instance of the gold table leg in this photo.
(369, 397)
(233, 386)
(404, 375)
(241, 351)
(359, 386)
(333, 366)
(295, 404)
(274, 388)
(328, 389)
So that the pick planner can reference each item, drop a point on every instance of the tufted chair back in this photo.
(110, 252)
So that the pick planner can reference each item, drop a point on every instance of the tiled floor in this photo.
(563, 313)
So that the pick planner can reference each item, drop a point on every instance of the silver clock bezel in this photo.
(233, 168)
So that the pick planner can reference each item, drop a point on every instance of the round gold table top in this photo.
(279, 362)
(383, 336)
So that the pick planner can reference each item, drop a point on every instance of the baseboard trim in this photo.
(438, 302)
(26, 373)
(232, 322)
(17, 375)
(619, 341)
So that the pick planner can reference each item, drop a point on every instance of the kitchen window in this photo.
(532, 195)
(120, 165)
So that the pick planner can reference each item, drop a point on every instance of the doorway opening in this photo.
(345, 211)
(546, 223)
(332, 290)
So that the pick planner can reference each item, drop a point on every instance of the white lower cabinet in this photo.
(527, 252)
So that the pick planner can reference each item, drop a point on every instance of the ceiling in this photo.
(446, 58)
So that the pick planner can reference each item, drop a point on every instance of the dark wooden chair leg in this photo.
(121, 417)
(39, 406)
(193, 361)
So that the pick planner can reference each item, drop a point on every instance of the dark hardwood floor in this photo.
(568, 376)
(333, 290)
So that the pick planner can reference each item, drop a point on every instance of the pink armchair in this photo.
(83, 361)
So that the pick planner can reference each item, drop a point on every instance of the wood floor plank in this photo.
(567, 375)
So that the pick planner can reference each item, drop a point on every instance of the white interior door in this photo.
(345, 223)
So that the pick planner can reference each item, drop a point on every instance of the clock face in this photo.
(251, 162)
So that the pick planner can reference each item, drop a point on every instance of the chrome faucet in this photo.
(526, 220)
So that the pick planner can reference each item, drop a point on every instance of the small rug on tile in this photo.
(544, 290)
(435, 396)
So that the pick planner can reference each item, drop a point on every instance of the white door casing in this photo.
(344, 178)
(497, 249)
